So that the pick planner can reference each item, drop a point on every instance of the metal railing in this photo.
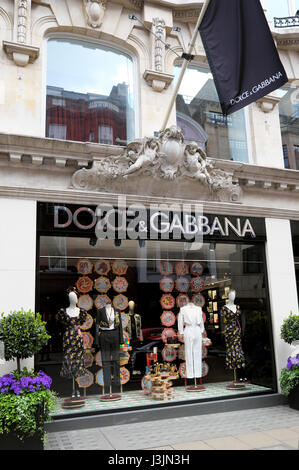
(286, 22)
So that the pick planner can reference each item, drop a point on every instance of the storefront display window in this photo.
(90, 94)
(149, 284)
(289, 125)
(200, 117)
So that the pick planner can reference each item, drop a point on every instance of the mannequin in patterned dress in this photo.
(231, 314)
(73, 349)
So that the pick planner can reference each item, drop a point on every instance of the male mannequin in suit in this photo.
(109, 336)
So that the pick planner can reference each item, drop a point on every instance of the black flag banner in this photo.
(241, 52)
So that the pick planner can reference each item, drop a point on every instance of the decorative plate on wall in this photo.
(199, 300)
(102, 284)
(182, 284)
(85, 302)
(181, 268)
(87, 339)
(84, 284)
(124, 319)
(181, 352)
(120, 284)
(88, 359)
(124, 357)
(205, 369)
(165, 268)
(84, 266)
(100, 378)
(167, 333)
(88, 323)
(167, 301)
(85, 380)
(101, 301)
(169, 354)
(204, 352)
(197, 284)
(182, 300)
(182, 370)
(124, 375)
(146, 385)
(102, 266)
(168, 318)
(120, 302)
(119, 267)
(196, 268)
(166, 284)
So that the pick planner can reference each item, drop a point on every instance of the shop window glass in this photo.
(240, 266)
(201, 120)
(89, 90)
(295, 238)
(289, 125)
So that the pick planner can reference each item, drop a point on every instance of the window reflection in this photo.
(89, 93)
(289, 125)
(200, 117)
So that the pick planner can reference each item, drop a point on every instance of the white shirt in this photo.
(110, 317)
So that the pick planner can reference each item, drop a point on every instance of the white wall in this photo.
(282, 283)
(17, 260)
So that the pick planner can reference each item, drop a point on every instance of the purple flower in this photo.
(292, 362)
(9, 384)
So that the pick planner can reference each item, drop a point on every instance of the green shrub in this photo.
(289, 330)
(289, 379)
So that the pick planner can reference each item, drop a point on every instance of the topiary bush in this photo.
(289, 330)
(23, 334)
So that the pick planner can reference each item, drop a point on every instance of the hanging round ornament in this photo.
(101, 301)
(182, 300)
(87, 323)
(196, 268)
(124, 319)
(85, 302)
(169, 354)
(182, 370)
(166, 284)
(84, 266)
(124, 375)
(119, 267)
(84, 284)
(102, 266)
(120, 284)
(197, 284)
(167, 301)
(100, 377)
(146, 385)
(181, 268)
(88, 359)
(98, 358)
(168, 318)
(199, 300)
(205, 369)
(167, 333)
(165, 268)
(120, 302)
(102, 284)
(182, 284)
(87, 339)
(124, 357)
(86, 380)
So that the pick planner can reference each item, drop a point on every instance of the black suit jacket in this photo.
(102, 322)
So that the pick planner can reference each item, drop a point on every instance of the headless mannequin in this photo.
(233, 307)
(73, 311)
(198, 328)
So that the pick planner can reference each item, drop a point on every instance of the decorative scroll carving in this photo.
(22, 21)
(158, 45)
(95, 11)
(166, 158)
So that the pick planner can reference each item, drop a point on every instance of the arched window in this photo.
(199, 115)
(90, 96)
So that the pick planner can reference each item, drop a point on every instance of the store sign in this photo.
(175, 222)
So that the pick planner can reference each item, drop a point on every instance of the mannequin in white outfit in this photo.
(191, 325)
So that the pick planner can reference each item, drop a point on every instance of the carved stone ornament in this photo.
(95, 11)
(160, 165)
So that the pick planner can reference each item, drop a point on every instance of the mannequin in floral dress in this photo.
(73, 350)
(235, 358)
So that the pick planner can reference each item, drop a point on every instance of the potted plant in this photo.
(289, 377)
(25, 396)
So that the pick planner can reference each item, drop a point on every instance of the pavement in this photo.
(268, 428)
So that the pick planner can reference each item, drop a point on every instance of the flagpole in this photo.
(185, 63)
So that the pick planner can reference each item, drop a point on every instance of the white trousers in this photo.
(193, 351)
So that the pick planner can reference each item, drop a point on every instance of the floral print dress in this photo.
(235, 358)
(73, 348)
